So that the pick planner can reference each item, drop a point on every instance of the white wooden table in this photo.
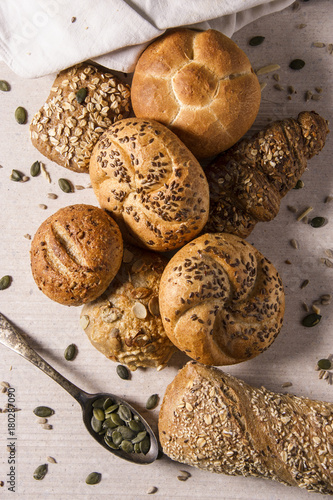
(51, 327)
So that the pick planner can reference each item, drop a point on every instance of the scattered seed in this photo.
(294, 243)
(5, 282)
(319, 90)
(299, 184)
(65, 186)
(122, 372)
(276, 77)
(52, 196)
(25, 178)
(256, 40)
(286, 384)
(324, 364)
(304, 284)
(319, 45)
(45, 173)
(152, 402)
(20, 115)
(94, 478)
(308, 95)
(329, 252)
(330, 48)
(5, 384)
(291, 208)
(297, 64)
(2, 484)
(311, 320)
(291, 89)
(327, 262)
(81, 94)
(73, 19)
(16, 175)
(316, 97)
(35, 169)
(318, 222)
(4, 86)
(301, 26)
(152, 490)
(47, 427)
(305, 307)
(304, 214)
(84, 321)
(43, 411)
(315, 309)
(42, 206)
(277, 86)
(51, 460)
(267, 69)
(42, 421)
(185, 475)
(288, 262)
(263, 85)
(70, 352)
(40, 472)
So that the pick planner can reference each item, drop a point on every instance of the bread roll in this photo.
(151, 183)
(75, 254)
(221, 300)
(201, 85)
(213, 421)
(125, 322)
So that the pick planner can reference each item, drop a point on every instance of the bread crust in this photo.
(125, 322)
(222, 302)
(199, 84)
(216, 422)
(151, 184)
(75, 254)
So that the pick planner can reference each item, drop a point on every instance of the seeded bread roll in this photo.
(83, 102)
(125, 322)
(75, 254)
(216, 422)
(201, 85)
(151, 183)
(221, 301)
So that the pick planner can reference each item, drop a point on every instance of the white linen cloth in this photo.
(38, 37)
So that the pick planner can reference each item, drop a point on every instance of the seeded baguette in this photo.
(221, 301)
(247, 182)
(68, 125)
(75, 254)
(214, 421)
(151, 184)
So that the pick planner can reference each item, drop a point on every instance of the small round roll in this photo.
(151, 184)
(221, 301)
(125, 322)
(75, 254)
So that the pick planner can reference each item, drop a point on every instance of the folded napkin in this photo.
(38, 37)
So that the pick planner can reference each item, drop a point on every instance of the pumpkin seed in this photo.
(318, 222)
(152, 402)
(153, 306)
(139, 437)
(117, 438)
(96, 424)
(116, 419)
(110, 443)
(111, 409)
(16, 175)
(324, 364)
(4, 86)
(145, 445)
(98, 403)
(98, 413)
(125, 413)
(297, 64)
(94, 478)
(40, 472)
(65, 186)
(127, 446)
(109, 424)
(122, 372)
(5, 282)
(107, 402)
(256, 40)
(70, 352)
(311, 320)
(20, 115)
(137, 448)
(35, 169)
(81, 94)
(136, 425)
(43, 411)
(139, 310)
(126, 432)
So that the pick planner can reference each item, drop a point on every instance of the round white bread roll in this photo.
(151, 183)
(201, 85)
(221, 301)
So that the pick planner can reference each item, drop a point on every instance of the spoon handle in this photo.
(11, 338)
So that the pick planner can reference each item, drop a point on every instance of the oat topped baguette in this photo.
(214, 421)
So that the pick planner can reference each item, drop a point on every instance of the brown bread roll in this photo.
(216, 422)
(221, 301)
(151, 183)
(125, 322)
(201, 85)
(75, 254)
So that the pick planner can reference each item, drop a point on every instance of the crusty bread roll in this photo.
(221, 300)
(213, 421)
(75, 254)
(125, 322)
(151, 183)
(201, 85)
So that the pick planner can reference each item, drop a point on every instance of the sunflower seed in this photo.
(20, 115)
(152, 402)
(47, 427)
(70, 352)
(94, 478)
(5, 282)
(51, 460)
(35, 169)
(152, 490)
(52, 196)
(294, 243)
(319, 45)
(40, 472)
(65, 186)
(43, 411)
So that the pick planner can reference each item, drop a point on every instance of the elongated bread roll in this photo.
(216, 422)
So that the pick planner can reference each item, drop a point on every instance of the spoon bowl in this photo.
(11, 338)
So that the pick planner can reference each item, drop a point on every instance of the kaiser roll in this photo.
(151, 183)
(201, 85)
(221, 300)
(75, 254)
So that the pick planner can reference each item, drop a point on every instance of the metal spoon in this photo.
(10, 337)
